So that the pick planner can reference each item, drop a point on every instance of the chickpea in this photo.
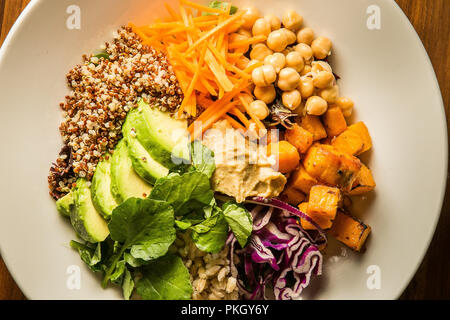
(292, 20)
(321, 47)
(243, 63)
(346, 105)
(318, 66)
(247, 97)
(306, 36)
(259, 109)
(263, 76)
(252, 62)
(330, 94)
(316, 106)
(277, 40)
(244, 32)
(273, 20)
(288, 79)
(295, 60)
(276, 60)
(305, 51)
(234, 37)
(287, 50)
(266, 94)
(306, 87)
(261, 27)
(250, 16)
(291, 99)
(307, 69)
(260, 52)
(290, 36)
(323, 79)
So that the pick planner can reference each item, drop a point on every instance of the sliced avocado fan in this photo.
(125, 182)
(164, 137)
(143, 163)
(85, 219)
(102, 197)
(64, 204)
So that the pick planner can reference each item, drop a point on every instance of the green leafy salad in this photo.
(129, 242)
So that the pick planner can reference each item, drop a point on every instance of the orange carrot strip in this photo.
(191, 87)
(217, 110)
(234, 123)
(138, 31)
(246, 105)
(218, 71)
(172, 12)
(247, 42)
(241, 116)
(201, 7)
(215, 30)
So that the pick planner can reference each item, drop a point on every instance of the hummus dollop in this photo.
(242, 166)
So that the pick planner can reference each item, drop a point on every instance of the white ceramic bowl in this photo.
(387, 72)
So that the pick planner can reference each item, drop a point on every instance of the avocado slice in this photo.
(85, 219)
(125, 183)
(64, 204)
(102, 197)
(143, 163)
(161, 135)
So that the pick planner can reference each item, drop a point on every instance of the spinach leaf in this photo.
(127, 285)
(240, 221)
(220, 5)
(165, 279)
(202, 159)
(132, 261)
(89, 254)
(185, 193)
(211, 235)
(144, 226)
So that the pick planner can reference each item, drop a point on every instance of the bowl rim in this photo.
(33, 5)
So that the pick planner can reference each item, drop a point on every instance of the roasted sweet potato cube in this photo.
(292, 196)
(364, 182)
(314, 126)
(299, 138)
(350, 231)
(331, 166)
(301, 180)
(355, 140)
(334, 121)
(321, 220)
(323, 201)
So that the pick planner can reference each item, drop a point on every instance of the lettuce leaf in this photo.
(166, 278)
(185, 193)
(144, 225)
(211, 234)
(220, 5)
(239, 220)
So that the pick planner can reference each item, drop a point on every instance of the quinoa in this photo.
(102, 93)
(210, 273)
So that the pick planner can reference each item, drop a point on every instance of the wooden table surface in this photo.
(431, 19)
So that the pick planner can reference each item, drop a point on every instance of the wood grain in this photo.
(431, 19)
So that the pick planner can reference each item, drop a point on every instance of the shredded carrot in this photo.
(215, 30)
(247, 42)
(241, 116)
(246, 105)
(201, 7)
(234, 123)
(206, 64)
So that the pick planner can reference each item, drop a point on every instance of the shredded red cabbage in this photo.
(280, 255)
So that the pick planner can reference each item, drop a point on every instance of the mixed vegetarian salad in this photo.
(209, 155)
